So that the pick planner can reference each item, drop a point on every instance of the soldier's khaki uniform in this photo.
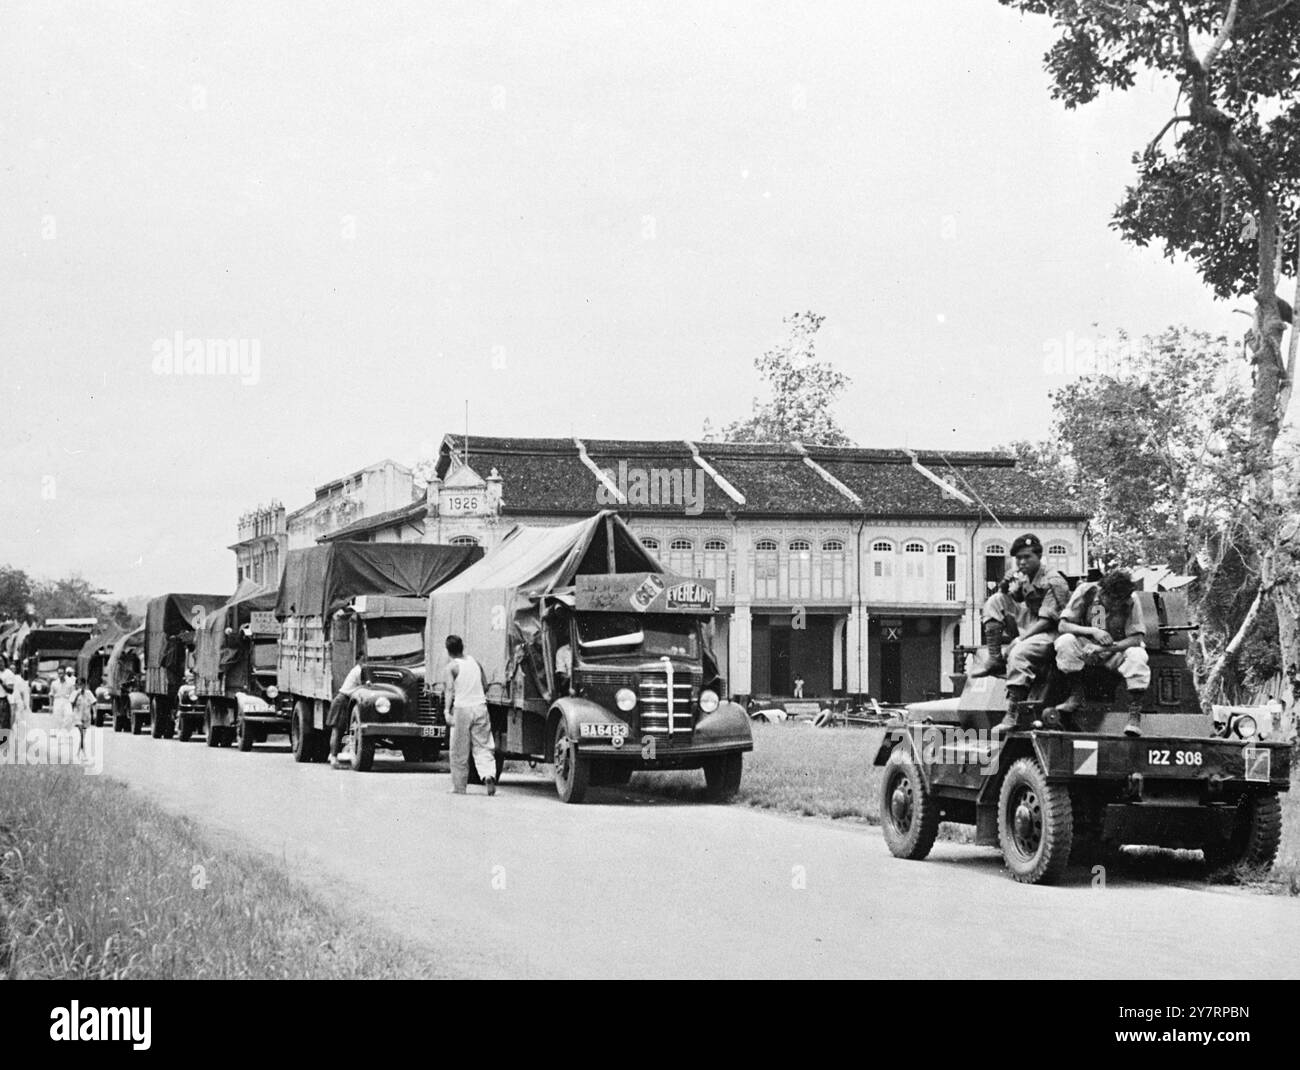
(1085, 609)
(1042, 596)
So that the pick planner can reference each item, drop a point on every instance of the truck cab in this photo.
(47, 653)
(392, 708)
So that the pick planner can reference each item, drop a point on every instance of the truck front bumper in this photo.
(403, 730)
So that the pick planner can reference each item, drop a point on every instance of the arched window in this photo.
(650, 543)
(995, 564)
(681, 557)
(832, 570)
(914, 562)
(713, 564)
(1057, 556)
(947, 553)
(462, 540)
(946, 548)
(1058, 549)
(801, 569)
(882, 559)
(765, 569)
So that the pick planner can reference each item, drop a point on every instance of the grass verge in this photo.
(98, 882)
(828, 772)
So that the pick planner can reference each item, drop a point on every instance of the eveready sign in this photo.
(643, 592)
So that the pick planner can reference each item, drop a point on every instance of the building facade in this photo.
(263, 540)
(857, 570)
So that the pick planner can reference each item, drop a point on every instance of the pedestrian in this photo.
(798, 685)
(340, 716)
(62, 688)
(83, 706)
(20, 696)
(467, 713)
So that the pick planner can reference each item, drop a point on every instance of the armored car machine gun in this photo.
(1050, 797)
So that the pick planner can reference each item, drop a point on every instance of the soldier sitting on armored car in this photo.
(1025, 612)
(1102, 624)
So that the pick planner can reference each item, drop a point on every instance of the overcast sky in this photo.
(583, 218)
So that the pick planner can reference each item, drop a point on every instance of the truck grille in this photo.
(424, 710)
(653, 696)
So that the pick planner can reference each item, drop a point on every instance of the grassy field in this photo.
(96, 882)
(827, 772)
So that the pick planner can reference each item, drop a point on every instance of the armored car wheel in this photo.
(909, 817)
(722, 777)
(1035, 824)
(572, 770)
(1255, 836)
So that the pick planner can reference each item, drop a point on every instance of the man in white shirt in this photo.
(467, 713)
(340, 713)
(563, 669)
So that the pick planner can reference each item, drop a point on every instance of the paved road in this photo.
(521, 885)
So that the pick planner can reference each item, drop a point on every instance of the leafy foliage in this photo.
(803, 389)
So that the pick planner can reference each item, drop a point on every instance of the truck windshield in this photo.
(264, 656)
(399, 637)
(659, 635)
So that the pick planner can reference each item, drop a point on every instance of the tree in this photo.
(15, 593)
(803, 389)
(72, 596)
(1226, 195)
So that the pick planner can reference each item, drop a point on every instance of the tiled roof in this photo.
(548, 476)
(403, 514)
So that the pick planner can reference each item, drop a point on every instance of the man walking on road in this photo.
(467, 713)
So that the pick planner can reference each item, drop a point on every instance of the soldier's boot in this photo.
(1059, 716)
(1134, 726)
(989, 661)
(1014, 716)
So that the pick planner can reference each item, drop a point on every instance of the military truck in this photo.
(644, 691)
(1049, 797)
(170, 621)
(124, 678)
(92, 666)
(47, 652)
(236, 652)
(345, 603)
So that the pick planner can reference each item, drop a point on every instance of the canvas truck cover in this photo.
(132, 641)
(321, 579)
(480, 605)
(166, 616)
(249, 598)
(104, 637)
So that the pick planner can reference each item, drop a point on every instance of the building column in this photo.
(740, 638)
(856, 674)
(837, 653)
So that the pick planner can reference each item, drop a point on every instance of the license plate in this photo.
(603, 731)
(1174, 757)
(432, 731)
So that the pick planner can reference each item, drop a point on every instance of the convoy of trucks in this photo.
(343, 604)
(643, 690)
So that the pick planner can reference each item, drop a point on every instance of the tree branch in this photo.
(1225, 32)
(1165, 129)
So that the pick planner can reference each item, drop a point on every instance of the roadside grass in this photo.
(98, 882)
(828, 772)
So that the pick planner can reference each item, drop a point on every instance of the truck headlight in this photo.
(625, 698)
(708, 701)
(382, 705)
(1245, 726)
(272, 691)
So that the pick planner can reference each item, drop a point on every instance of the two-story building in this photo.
(857, 569)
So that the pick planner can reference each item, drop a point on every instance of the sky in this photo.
(579, 218)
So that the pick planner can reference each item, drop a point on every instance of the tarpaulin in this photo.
(210, 639)
(88, 668)
(320, 579)
(124, 661)
(480, 605)
(165, 619)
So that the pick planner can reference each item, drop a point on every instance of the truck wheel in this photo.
(1035, 824)
(909, 817)
(186, 732)
(245, 735)
(363, 750)
(722, 777)
(155, 719)
(302, 737)
(572, 770)
(1255, 837)
(137, 728)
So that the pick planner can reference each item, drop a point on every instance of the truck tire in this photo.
(137, 728)
(1255, 837)
(572, 768)
(909, 817)
(155, 719)
(186, 730)
(1035, 824)
(245, 736)
(302, 737)
(722, 777)
(363, 750)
